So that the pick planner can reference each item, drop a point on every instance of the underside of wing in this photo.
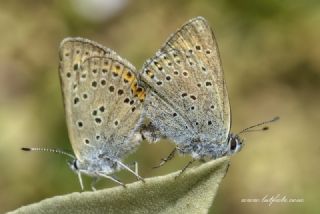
(102, 99)
(188, 97)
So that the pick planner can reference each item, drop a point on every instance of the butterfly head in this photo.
(235, 143)
(74, 165)
(84, 167)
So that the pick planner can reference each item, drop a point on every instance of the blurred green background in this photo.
(270, 52)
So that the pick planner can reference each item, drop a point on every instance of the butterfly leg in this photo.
(185, 167)
(227, 169)
(136, 167)
(169, 157)
(80, 180)
(94, 182)
(122, 165)
(130, 170)
(112, 178)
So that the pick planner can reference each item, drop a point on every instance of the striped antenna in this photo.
(250, 128)
(58, 151)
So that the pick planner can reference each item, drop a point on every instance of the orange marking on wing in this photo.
(134, 87)
(116, 69)
(142, 96)
(127, 76)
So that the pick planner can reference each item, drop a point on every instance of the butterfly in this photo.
(187, 99)
(103, 105)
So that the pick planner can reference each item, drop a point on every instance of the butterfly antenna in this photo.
(58, 151)
(250, 129)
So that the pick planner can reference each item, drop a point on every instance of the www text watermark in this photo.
(272, 199)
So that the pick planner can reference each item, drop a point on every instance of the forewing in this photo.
(188, 97)
(101, 97)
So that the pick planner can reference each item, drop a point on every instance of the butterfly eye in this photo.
(233, 144)
(75, 165)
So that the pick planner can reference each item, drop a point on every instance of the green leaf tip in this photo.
(192, 192)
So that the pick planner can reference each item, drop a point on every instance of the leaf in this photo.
(192, 192)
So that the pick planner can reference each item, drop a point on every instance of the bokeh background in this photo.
(270, 52)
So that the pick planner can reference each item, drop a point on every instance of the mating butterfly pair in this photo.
(181, 91)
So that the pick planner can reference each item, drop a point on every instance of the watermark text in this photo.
(272, 199)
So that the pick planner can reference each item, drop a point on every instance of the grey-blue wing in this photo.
(187, 99)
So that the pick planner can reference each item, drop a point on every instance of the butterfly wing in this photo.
(188, 100)
(102, 100)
